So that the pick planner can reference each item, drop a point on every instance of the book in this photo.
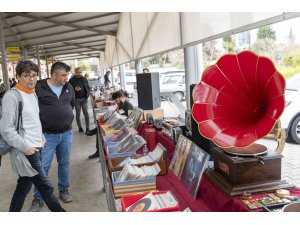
(180, 155)
(195, 164)
(119, 124)
(135, 117)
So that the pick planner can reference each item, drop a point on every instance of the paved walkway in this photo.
(85, 177)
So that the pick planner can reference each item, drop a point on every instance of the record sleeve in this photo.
(146, 203)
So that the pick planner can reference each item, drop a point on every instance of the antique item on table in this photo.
(158, 123)
(173, 127)
(149, 118)
(282, 193)
(237, 102)
(292, 207)
(246, 195)
(239, 99)
(188, 120)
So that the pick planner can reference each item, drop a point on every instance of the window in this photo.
(182, 80)
(171, 79)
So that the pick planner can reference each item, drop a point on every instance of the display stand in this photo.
(209, 198)
(105, 174)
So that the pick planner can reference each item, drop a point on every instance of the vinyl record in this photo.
(140, 206)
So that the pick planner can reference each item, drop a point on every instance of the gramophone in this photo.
(237, 102)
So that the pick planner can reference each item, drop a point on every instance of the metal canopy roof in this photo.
(67, 35)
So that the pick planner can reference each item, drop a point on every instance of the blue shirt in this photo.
(56, 89)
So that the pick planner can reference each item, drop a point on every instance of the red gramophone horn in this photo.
(238, 99)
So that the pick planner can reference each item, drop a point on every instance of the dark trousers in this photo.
(82, 103)
(41, 182)
(97, 144)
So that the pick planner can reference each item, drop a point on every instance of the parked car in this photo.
(173, 82)
(290, 119)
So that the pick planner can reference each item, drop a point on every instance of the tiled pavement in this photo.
(291, 164)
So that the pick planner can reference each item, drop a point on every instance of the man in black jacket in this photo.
(56, 101)
(82, 92)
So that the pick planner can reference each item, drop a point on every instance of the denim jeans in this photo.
(82, 103)
(40, 181)
(60, 144)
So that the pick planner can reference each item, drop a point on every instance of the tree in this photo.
(210, 50)
(266, 32)
(228, 44)
(265, 43)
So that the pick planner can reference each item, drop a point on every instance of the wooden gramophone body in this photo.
(237, 102)
(236, 174)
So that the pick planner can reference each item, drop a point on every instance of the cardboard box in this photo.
(128, 200)
(132, 186)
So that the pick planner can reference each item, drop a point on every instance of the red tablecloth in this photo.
(209, 197)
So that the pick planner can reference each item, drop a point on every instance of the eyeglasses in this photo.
(28, 76)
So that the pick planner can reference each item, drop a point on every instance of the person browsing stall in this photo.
(27, 140)
(82, 92)
(121, 100)
(56, 100)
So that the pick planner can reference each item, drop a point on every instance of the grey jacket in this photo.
(8, 124)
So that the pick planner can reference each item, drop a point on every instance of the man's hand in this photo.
(31, 151)
(77, 88)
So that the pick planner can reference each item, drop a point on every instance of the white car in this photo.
(290, 119)
(172, 82)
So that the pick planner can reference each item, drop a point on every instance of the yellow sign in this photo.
(13, 57)
(13, 49)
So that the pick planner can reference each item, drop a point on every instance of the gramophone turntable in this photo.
(237, 102)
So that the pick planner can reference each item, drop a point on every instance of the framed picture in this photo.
(180, 155)
(135, 117)
(195, 164)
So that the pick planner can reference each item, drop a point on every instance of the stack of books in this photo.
(155, 156)
(131, 172)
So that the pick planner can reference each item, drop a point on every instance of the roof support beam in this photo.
(82, 46)
(69, 46)
(102, 42)
(61, 23)
(53, 34)
(60, 40)
(55, 53)
(77, 57)
(11, 30)
(52, 26)
(31, 21)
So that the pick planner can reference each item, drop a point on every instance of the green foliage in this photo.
(265, 47)
(266, 32)
(84, 65)
(289, 71)
(292, 58)
(210, 50)
(228, 44)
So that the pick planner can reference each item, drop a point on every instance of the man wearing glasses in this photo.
(56, 100)
(82, 92)
(28, 140)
